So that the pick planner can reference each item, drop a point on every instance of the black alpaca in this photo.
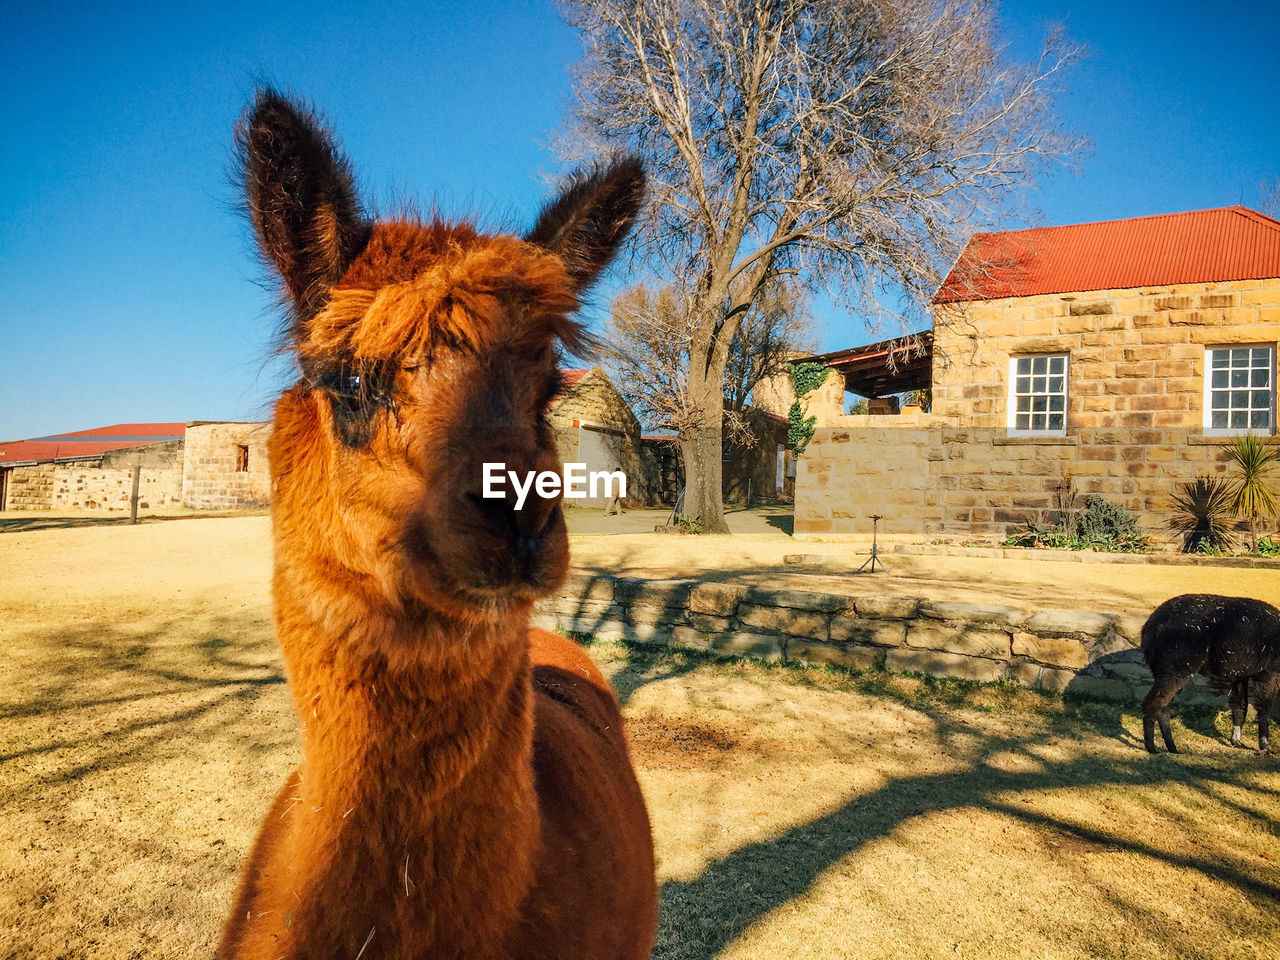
(1235, 641)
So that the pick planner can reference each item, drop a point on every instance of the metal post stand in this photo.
(870, 563)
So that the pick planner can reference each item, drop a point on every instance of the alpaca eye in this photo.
(348, 384)
(356, 392)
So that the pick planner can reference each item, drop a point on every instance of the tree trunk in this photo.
(701, 444)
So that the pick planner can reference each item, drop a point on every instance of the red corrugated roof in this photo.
(1203, 246)
(568, 380)
(90, 443)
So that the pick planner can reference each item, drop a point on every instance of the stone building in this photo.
(225, 465)
(93, 469)
(751, 472)
(1115, 358)
(594, 425)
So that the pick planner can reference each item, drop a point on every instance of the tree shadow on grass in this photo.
(701, 918)
(99, 696)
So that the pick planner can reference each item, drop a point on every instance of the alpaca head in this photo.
(424, 351)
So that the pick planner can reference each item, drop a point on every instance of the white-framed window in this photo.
(1038, 395)
(1240, 388)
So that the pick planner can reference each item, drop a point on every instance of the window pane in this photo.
(1240, 357)
(1261, 399)
(1037, 421)
(1239, 419)
(1057, 402)
(1261, 356)
(1024, 366)
(1038, 384)
(1239, 398)
(1023, 421)
(1057, 364)
(1219, 358)
(1039, 364)
(1220, 400)
(1055, 421)
(1039, 404)
(1219, 420)
(1220, 379)
(1024, 385)
(1239, 378)
(1260, 420)
(1260, 378)
(1024, 404)
(1055, 384)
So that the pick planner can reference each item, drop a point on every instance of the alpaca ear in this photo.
(587, 223)
(301, 198)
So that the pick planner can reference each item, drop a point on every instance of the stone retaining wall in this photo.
(1080, 653)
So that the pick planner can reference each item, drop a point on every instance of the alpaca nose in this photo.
(524, 519)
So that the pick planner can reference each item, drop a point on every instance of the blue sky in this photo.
(128, 290)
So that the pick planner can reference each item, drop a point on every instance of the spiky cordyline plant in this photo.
(1203, 506)
(1251, 497)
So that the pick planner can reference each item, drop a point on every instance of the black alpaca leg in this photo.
(1265, 689)
(1156, 706)
(1239, 704)
(1166, 731)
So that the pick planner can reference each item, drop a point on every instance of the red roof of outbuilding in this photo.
(89, 443)
(1202, 246)
(568, 380)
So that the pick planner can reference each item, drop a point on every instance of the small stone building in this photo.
(759, 470)
(594, 425)
(226, 466)
(1114, 358)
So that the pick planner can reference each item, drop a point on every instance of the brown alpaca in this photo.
(465, 790)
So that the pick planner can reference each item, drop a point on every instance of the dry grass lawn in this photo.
(144, 728)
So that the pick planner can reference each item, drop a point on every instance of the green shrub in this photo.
(1252, 496)
(688, 524)
(1101, 526)
(1202, 507)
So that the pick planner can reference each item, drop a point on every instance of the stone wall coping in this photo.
(1063, 556)
(992, 613)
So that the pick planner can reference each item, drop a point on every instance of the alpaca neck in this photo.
(417, 738)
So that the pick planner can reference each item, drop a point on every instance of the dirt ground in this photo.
(755, 552)
(627, 546)
(145, 727)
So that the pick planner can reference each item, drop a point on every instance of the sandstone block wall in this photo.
(211, 478)
(1136, 355)
(100, 483)
(927, 478)
(1080, 653)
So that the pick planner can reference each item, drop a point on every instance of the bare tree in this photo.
(851, 145)
(649, 336)
(775, 327)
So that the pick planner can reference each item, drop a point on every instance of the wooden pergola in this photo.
(887, 367)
